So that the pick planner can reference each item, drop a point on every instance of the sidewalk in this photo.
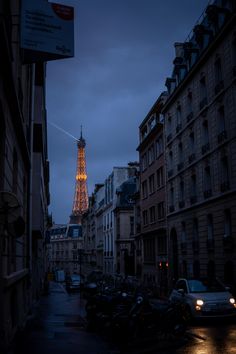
(59, 327)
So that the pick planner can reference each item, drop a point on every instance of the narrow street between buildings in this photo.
(59, 326)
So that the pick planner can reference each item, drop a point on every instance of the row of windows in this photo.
(206, 139)
(154, 182)
(154, 152)
(154, 213)
(107, 221)
(210, 230)
(204, 95)
(192, 187)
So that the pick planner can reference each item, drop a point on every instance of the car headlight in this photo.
(199, 302)
(232, 300)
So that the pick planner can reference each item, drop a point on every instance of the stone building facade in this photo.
(24, 178)
(151, 240)
(200, 149)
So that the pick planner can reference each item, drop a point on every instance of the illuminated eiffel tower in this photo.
(80, 204)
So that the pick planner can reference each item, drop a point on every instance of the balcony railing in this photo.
(191, 158)
(205, 148)
(222, 136)
(207, 193)
(225, 186)
(219, 87)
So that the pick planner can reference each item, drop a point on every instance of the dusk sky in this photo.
(124, 51)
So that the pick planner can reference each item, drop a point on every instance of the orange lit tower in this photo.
(80, 204)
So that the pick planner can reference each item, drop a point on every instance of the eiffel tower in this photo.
(80, 204)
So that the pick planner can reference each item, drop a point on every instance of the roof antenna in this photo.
(81, 137)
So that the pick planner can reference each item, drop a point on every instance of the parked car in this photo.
(74, 282)
(204, 298)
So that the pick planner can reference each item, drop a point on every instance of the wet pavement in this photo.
(59, 326)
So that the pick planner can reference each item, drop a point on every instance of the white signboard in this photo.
(47, 28)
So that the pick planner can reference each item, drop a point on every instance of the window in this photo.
(152, 213)
(131, 222)
(169, 125)
(221, 119)
(218, 71)
(160, 177)
(205, 132)
(144, 189)
(152, 122)
(227, 223)
(189, 103)
(195, 230)
(118, 227)
(172, 196)
(161, 210)
(159, 146)
(170, 160)
(151, 184)
(224, 171)
(203, 89)
(15, 172)
(178, 118)
(181, 191)
(144, 162)
(191, 142)
(180, 153)
(145, 217)
(151, 155)
(207, 182)
(149, 250)
(183, 232)
(210, 231)
(144, 133)
(193, 189)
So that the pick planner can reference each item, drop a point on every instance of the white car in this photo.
(204, 298)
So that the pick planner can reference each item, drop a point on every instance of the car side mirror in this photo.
(181, 291)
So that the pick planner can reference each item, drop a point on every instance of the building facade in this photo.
(152, 237)
(24, 178)
(200, 149)
(66, 243)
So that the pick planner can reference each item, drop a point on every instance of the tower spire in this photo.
(80, 203)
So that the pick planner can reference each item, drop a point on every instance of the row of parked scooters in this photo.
(127, 315)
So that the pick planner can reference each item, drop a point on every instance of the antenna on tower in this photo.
(81, 135)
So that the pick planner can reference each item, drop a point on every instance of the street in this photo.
(59, 326)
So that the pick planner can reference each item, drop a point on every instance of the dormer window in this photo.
(144, 133)
(152, 122)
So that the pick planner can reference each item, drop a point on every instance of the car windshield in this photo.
(75, 277)
(205, 286)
